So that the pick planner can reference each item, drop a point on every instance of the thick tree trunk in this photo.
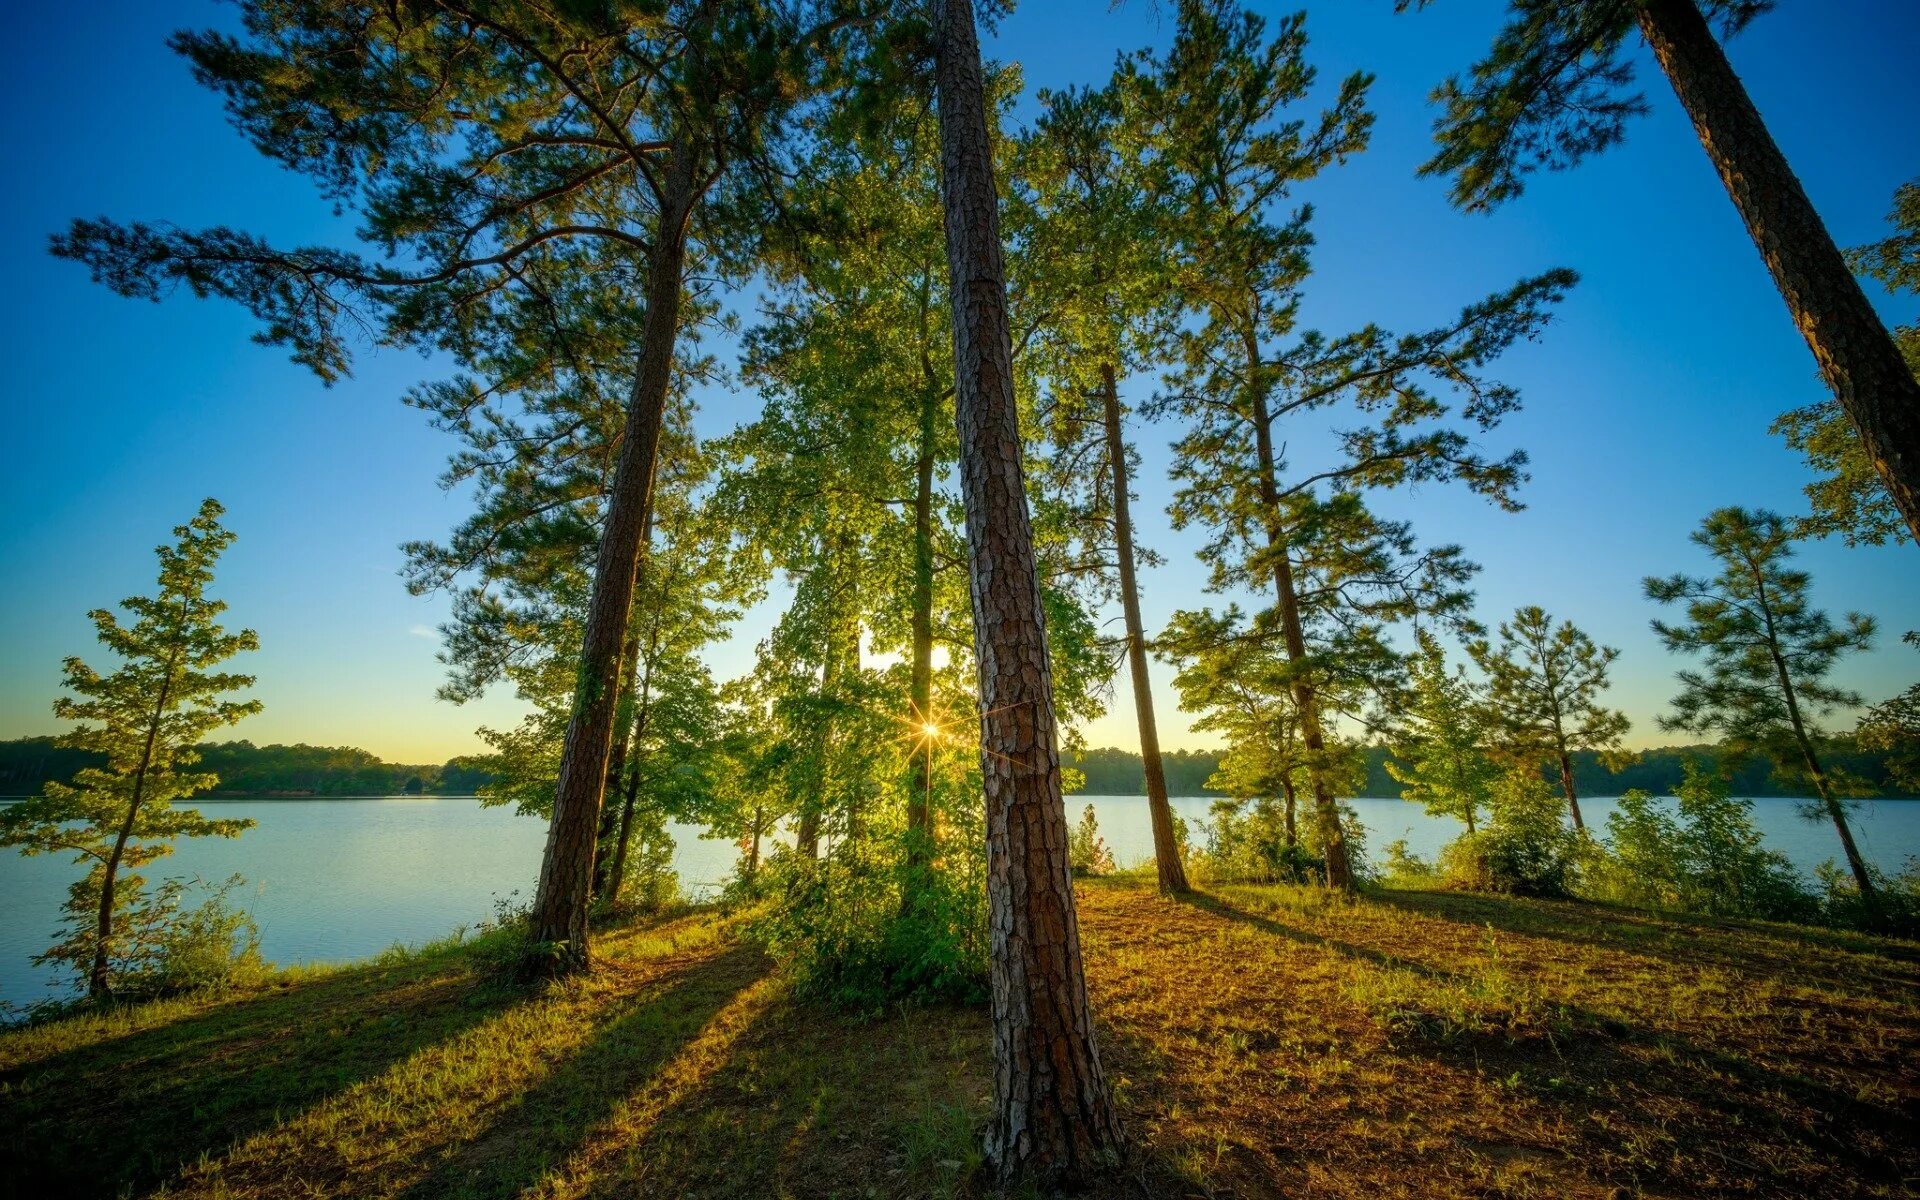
(1566, 785)
(1166, 849)
(1857, 356)
(920, 695)
(1054, 1121)
(560, 903)
(1306, 700)
(616, 767)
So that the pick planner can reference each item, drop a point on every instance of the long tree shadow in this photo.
(524, 1138)
(798, 1100)
(1598, 1070)
(125, 1112)
(1834, 958)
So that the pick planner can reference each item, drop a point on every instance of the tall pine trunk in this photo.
(1054, 1120)
(1857, 356)
(1166, 848)
(560, 903)
(920, 696)
(1326, 810)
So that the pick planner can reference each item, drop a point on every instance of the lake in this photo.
(330, 880)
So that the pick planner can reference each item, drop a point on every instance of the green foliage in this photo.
(1248, 842)
(1706, 857)
(1087, 851)
(864, 930)
(143, 719)
(1526, 849)
(1553, 89)
(1847, 495)
(1441, 738)
(1767, 652)
(1893, 728)
(1544, 685)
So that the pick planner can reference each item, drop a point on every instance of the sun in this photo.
(930, 729)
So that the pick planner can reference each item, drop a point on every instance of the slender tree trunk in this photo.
(1054, 1121)
(642, 712)
(1566, 785)
(1166, 849)
(753, 852)
(1306, 698)
(99, 976)
(1821, 783)
(1857, 356)
(1293, 806)
(616, 765)
(920, 694)
(566, 871)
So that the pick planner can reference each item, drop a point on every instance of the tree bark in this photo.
(1292, 807)
(99, 976)
(1306, 699)
(559, 916)
(1857, 356)
(1566, 785)
(1054, 1121)
(920, 693)
(1172, 875)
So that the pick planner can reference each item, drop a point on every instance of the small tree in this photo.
(1767, 653)
(1893, 726)
(1441, 738)
(145, 718)
(1543, 686)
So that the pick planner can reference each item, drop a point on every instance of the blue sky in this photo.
(1647, 401)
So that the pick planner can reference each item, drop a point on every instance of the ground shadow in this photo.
(1854, 962)
(123, 1113)
(1603, 1075)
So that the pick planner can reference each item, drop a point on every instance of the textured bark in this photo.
(1326, 810)
(920, 693)
(560, 903)
(1566, 785)
(1857, 356)
(1053, 1121)
(1293, 805)
(1171, 874)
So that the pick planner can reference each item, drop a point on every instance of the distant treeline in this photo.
(1112, 772)
(249, 770)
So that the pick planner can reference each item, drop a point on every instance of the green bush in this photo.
(1087, 851)
(1896, 909)
(161, 944)
(865, 930)
(1524, 849)
(1706, 857)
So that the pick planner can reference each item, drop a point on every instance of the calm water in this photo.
(340, 879)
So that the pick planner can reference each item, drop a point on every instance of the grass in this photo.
(1262, 1041)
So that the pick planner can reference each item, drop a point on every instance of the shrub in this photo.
(1524, 849)
(1897, 907)
(1404, 868)
(864, 930)
(1705, 858)
(1247, 843)
(162, 946)
(1086, 849)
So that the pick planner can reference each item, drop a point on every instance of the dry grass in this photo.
(1263, 1041)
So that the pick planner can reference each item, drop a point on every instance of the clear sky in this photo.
(1647, 402)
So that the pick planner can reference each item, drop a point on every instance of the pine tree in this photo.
(1248, 380)
(1848, 497)
(1767, 656)
(145, 717)
(1054, 1118)
(1095, 228)
(1543, 686)
(1441, 738)
(1554, 88)
(492, 149)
